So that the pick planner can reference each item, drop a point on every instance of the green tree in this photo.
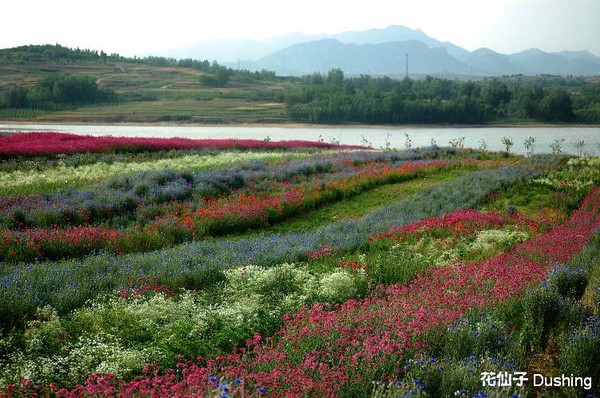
(470, 89)
(68, 90)
(529, 144)
(335, 77)
(556, 146)
(222, 76)
(218, 77)
(496, 93)
(557, 106)
(507, 142)
(16, 97)
(525, 103)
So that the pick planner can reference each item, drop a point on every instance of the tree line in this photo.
(62, 55)
(333, 98)
(57, 92)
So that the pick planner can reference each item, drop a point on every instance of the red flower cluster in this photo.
(144, 285)
(225, 215)
(41, 144)
(324, 250)
(354, 264)
(54, 243)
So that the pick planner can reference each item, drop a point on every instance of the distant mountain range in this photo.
(384, 52)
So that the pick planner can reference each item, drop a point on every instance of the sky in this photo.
(132, 27)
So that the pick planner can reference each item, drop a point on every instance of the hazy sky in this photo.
(132, 27)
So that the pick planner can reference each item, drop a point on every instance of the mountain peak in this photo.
(388, 34)
(485, 51)
(530, 52)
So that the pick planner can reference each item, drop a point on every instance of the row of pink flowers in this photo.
(322, 348)
(41, 143)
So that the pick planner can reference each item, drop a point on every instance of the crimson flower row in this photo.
(44, 144)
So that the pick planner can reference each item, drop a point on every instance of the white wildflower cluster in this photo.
(239, 312)
(440, 252)
(578, 173)
(431, 251)
(250, 297)
(100, 352)
(156, 312)
(294, 282)
(491, 241)
(337, 286)
(103, 353)
(64, 175)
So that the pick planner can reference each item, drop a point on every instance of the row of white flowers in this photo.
(18, 181)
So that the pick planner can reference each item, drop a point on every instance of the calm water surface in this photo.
(375, 136)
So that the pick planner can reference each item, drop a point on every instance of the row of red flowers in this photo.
(41, 144)
(38, 244)
(323, 349)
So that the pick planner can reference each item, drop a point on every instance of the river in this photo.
(376, 136)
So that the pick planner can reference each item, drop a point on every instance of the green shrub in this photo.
(568, 281)
(433, 377)
(476, 336)
(580, 353)
(394, 266)
(541, 309)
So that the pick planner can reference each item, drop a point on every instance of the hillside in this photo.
(150, 89)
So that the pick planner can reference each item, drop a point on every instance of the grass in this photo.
(531, 199)
(357, 206)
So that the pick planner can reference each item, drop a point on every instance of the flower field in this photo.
(44, 144)
(178, 268)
